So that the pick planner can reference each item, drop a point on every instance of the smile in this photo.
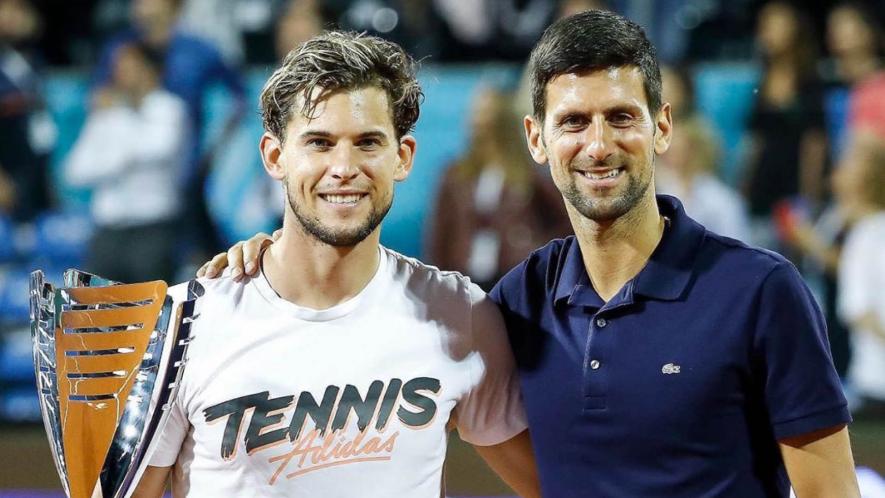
(342, 198)
(602, 176)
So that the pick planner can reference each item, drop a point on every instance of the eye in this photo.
(319, 143)
(621, 119)
(573, 122)
(369, 143)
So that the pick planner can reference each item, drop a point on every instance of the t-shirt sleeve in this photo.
(167, 441)
(492, 411)
(793, 362)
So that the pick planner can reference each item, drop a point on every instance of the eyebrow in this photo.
(325, 134)
(616, 109)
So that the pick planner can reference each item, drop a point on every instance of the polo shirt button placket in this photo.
(595, 377)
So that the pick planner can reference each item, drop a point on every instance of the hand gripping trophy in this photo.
(108, 357)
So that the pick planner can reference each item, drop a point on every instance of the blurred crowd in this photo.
(810, 180)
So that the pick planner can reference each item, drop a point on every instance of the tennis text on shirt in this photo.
(326, 444)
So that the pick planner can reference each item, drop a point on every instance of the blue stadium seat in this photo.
(16, 356)
(20, 404)
(7, 240)
(14, 296)
(62, 238)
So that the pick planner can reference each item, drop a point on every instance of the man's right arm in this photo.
(152, 483)
(514, 462)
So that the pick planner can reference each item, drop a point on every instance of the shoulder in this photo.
(772, 280)
(870, 228)
(537, 273)
(426, 279)
(734, 258)
(214, 289)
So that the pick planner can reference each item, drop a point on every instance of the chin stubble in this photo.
(312, 226)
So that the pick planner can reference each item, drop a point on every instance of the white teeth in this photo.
(342, 199)
(611, 174)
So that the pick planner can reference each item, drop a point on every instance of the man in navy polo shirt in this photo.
(656, 358)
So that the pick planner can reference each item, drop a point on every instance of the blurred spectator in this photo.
(301, 21)
(192, 67)
(131, 151)
(688, 169)
(855, 47)
(27, 133)
(494, 206)
(572, 7)
(217, 23)
(495, 29)
(787, 146)
(860, 183)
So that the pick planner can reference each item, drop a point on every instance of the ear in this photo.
(271, 151)
(535, 139)
(663, 129)
(407, 147)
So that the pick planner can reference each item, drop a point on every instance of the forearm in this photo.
(152, 483)
(514, 462)
(820, 464)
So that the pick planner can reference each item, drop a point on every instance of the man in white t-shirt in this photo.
(338, 370)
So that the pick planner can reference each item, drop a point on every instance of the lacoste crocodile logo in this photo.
(670, 369)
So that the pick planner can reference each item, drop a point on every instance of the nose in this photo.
(344, 166)
(598, 143)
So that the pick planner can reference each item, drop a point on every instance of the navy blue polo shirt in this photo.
(683, 382)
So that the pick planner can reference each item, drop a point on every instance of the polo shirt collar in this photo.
(665, 275)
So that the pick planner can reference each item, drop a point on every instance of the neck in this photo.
(616, 251)
(315, 275)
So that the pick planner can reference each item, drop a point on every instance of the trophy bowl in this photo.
(108, 357)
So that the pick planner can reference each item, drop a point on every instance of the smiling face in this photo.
(338, 167)
(600, 140)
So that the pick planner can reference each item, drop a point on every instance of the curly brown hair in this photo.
(335, 61)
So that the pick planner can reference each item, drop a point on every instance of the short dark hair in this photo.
(338, 60)
(589, 41)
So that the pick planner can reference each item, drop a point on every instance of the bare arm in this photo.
(820, 464)
(514, 463)
(153, 482)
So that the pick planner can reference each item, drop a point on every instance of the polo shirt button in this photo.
(601, 322)
(594, 365)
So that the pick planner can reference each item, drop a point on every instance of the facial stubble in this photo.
(608, 210)
(312, 226)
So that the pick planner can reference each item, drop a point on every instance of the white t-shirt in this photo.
(862, 290)
(134, 159)
(373, 385)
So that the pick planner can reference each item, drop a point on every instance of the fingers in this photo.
(242, 257)
(252, 251)
(277, 234)
(235, 261)
(213, 267)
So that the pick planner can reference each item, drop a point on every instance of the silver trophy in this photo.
(108, 357)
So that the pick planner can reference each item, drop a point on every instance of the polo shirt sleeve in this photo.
(492, 411)
(166, 445)
(793, 364)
